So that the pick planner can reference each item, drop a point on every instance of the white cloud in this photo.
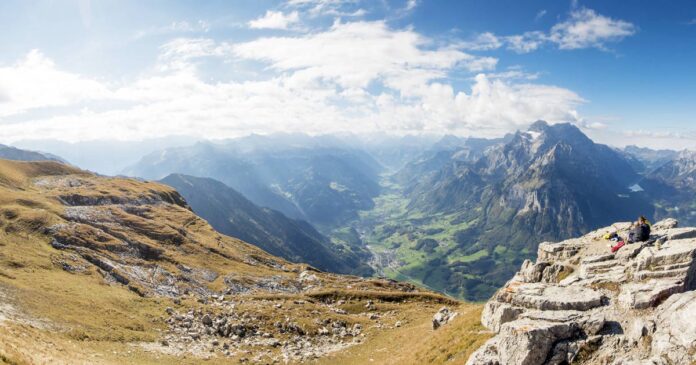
(180, 52)
(657, 139)
(586, 29)
(540, 14)
(200, 26)
(327, 7)
(355, 54)
(275, 20)
(526, 42)
(34, 82)
(514, 73)
(583, 29)
(483, 42)
(359, 77)
(411, 4)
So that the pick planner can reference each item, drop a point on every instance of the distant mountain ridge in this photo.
(549, 182)
(324, 185)
(649, 159)
(13, 153)
(232, 214)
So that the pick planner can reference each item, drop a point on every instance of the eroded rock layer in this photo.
(581, 304)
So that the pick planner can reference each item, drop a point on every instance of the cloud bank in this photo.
(352, 76)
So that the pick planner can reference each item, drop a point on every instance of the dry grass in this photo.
(78, 318)
(607, 285)
(567, 270)
(417, 343)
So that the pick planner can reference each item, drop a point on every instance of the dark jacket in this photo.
(641, 233)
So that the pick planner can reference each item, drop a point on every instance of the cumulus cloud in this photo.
(483, 42)
(584, 28)
(180, 53)
(359, 77)
(200, 26)
(355, 54)
(275, 20)
(514, 73)
(526, 42)
(328, 7)
(411, 4)
(35, 82)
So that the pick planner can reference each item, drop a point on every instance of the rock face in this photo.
(581, 304)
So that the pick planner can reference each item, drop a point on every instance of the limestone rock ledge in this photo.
(581, 304)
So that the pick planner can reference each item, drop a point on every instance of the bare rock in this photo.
(443, 316)
(675, 336)
(665, 224)
(636, 306)
(551, 297)
(495, 314)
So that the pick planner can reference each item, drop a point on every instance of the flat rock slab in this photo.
(648, 294)
(598, 258)
(590, 322)
(559, 251)
(589, 269)
(677, 233)
(676, 329)
(551, 297)
(673, 252)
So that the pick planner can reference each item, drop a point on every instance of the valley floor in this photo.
(425, 249)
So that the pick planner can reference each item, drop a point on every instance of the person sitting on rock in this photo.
(640, 231)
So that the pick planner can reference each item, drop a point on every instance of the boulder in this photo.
(529, 341)
(443, 316)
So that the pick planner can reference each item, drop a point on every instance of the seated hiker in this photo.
(640, 231)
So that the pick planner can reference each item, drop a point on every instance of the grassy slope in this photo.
(48, 315)
(415, 342)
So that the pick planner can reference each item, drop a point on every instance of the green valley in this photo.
(425, 249)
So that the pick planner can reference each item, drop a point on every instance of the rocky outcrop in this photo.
(443, 316)
(581, 304)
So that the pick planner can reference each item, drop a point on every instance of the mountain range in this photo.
(323, 185)
(230, 213)
(473, 214)
(454, 214)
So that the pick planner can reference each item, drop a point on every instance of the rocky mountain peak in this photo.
(538, 126)
(581, 303)
(555, 133)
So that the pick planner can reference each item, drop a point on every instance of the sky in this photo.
(78, 70)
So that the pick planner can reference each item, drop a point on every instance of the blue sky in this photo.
(79, 70)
